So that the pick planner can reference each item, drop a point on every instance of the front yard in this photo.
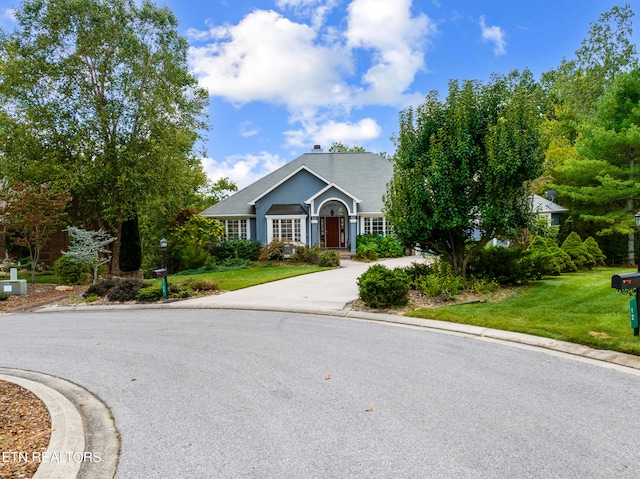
(578, 307)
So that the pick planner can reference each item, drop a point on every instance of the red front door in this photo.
(333, 232)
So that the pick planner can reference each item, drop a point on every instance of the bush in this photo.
(377, 246)
(101, 288)
(563, 259)
(508, 266)
(543, 261)
(308, 255)
(578, 252)
(442, 282)
(126, 290)
(594, 249)
(201, 284)
(150, 294)
(4, 296)
(248, 250)
(274, 251)
(380, 287)
(330, 258)
(416, 271)
(71, 272)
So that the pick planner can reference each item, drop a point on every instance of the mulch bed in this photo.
(25, 430)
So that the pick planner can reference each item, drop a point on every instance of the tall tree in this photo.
(30, 215)
(603, 182)
(575, 88)
(96, 95)
(461, 167)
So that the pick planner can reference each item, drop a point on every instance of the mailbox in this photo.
(158, 273)
(625, 281)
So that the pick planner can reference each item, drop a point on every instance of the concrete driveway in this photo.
(326, 291)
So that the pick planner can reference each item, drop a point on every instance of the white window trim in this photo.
(384, 223)
(247, 223)
(303, 226)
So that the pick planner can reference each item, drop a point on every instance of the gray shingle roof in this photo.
(364, 175)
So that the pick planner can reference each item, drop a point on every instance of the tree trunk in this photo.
(631, 237)
(115, 253)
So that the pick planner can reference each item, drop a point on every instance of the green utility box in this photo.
(18, 286)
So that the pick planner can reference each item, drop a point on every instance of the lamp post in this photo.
(165, 284)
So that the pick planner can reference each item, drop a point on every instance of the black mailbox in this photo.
(158, 273)
(625, 281)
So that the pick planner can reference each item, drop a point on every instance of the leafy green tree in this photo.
(338, 147)
(30, 215)
(96, 96)
(462, 167)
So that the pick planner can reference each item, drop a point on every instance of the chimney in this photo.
(316, 149)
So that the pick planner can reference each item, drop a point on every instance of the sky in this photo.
(285, 75)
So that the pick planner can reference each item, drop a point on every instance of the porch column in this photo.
(353, 232)
(314, 240)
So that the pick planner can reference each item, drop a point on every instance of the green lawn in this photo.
(580, 308)
(257, 274)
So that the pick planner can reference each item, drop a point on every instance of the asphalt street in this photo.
(229, 394)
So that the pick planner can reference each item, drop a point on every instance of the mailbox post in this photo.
(627, 281)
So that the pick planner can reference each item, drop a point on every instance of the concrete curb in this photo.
(84, 441)
(67, 432)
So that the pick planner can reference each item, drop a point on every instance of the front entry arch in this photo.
(333, 225)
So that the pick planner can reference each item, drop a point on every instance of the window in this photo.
(237, 229)
(286, 229)
(374, 225)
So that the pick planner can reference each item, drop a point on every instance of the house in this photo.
(321, 198)
(546, 208)
(318, 198)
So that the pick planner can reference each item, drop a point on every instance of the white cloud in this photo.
(10, 14)
(242, 169)
(310, 67)
(397, 41)
(329, 132)
(494, 34)
(247, 129)
(267, 57)
(316, 10)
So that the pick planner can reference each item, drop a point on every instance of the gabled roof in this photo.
(363, 175)
(543, 205)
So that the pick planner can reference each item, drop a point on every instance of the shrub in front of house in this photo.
(71, 272)
(150, 294)
(273, 251)
(416, 270)
(561, 256)
(308, 255)
(440, 282)
(237, 248)
(380, 287)
(329, 259)
(543, 261)
(507, 266)
(126, 290)
(378, 246)
(100, 289)
(578, 252)
(594, 249)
